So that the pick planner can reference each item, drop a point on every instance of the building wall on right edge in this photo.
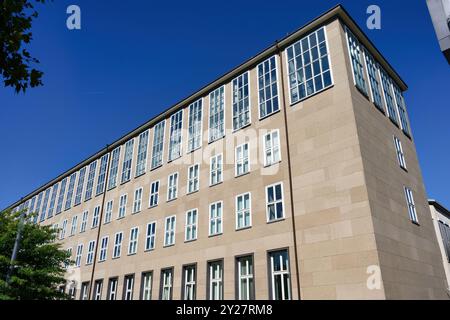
(437, 216)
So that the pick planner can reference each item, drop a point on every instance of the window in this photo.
(401, 107)
(215, 280)
(118, 237)
(388, 97)
(356, 57)
(172, 186)
(84, 220)
(445, 234)
(216, 114)
(215, 175)
(189, 285)
(72, 290)
(280, 281)
(98, 286)
(400, 154)
(195, 125)
(191, 225)
(411, 205)
(272, 148)
(38, 206)
(62, 234)
(158, 144)
(150, 236)
(308, 66)
(141, 165)
(274, 202)
(128, 286)
(176, 126)
(243, 211)
(154, 192)
(52, 200)
(90, 253)
(102, 174)
(103, 249)
(44, 205)
(193, 178)
(241, 101)
(169, 231)
(126, 166)
(79, 255)
(108, 211)
(79, 191)
(133, 243)
(146, 285)
(215, 218)
(69, 196)
(60, 197)
(268, 87)
(245, 281)
(372, 72)
(112, 289)
(114, 169)
(73, 228)
(137, 200)
(242, 159)
(95, 217)
(122, 206)
(84, 292)
(90, 181)
(166, 284)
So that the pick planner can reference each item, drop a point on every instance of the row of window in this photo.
(279, 281)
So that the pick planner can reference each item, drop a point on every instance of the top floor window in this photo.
(114, 168)
(142, 153)
(176, 126)
(356, 57)
(388, 96)
(216, 114)
(375, 88)
(241, 101)
(158, 144)
(90, 181)
(61, 196)
(80, 185)
(401, 109)
(268, 87)
(195, 125)
(69, 196)
(126, 167)
(102, 174)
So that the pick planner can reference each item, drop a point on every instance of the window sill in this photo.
(242, 174)
(415, 223)
(276, 220)
(192, 192)
(310, 96)
(192, 240)
(404, 169)
(269, 114)
(193, 150)
(153, 206)
(272, 164)
(156, 167)
(243, 228)
(217, 139)
(243, 127)
(169, 245)
(131, 254)
(139, 175)
(149, 250)
(171, 200)
(215, 184)
(215, 235)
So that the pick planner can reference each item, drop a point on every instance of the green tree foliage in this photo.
(40, 264)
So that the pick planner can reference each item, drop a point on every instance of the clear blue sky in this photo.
(133, 59)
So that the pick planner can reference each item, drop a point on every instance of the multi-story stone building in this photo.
(293, 176)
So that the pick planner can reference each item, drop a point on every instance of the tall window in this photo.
(146, 285)
(108, 211)
(44, 205)
(169, 231)
(193, 178)
(114, 168)
(60, 197)
(128, 286)
(166, 284)
(118, 237)
(150, 236)
(133, 243)
(74, 225)
(401, 107)
(191, 225)
(242, 159)
(243, 211)
(215, 218)
(308, 66)
(90, 181)
(274, 202)
(375, 88)
(280, 279)
(84, 292)
(268, 87)
(90, 253)
(176, 126)
(158, 144)
(195, 125)
(137, 200)
(84, 220)
(126, 166)
(388, 96)
(80, 185)
(52, 200)
(245, 281)
(189, 285)
(172, 186)
(63, 230)
(215, 280)
(103, 248)
(38, 206)
(445, 235)
(122, 206)
(241, 101)
(216, 114)
(98, 286)
(102, 174)
(356, 57)
(400, 154)
(142, 153)
(272, 147)
(79, 255)
(112, 289)
(154, 194)
(215, 169)
(411, 205)
(68, 204)
(95, 217)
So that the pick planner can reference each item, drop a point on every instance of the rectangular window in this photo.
(146, 285)
(128, 286)
(150, 236)
(189, 283)
(191, 225)
(52, 200)
(241, 101)
(388, 96)
(141, 165)
(400, 154)
(74, 225)
(102, 174)
(118, 237)
(84, 292)
(133, 243)
(356, 57)
(126, 166)
(98, 286)
(268, 87)
(169, 231)
(215, 280)
(63, 230)
(90, 181)
(245, 280)
(401, 107)
(114, 169)
(68, 204)
(215, 218)
(84, 220)
(95, 217)
(79, 255)
(38, 206)
(166, 284)
(60, 197)
(108, 211)
(411, 205)
(90, 253)
(372, 72)
(103, 249)
(172, 186)
(445, 235)
(80, 185)
(215, 170)
(308, 66)
(195, 125)
(112, 288)
(193, 178)
(122, 206)
(272, 148)
(216, 114)
(274, 202)
(158, 144)
(137, 200)
(176, 127)
(280, 279)
(44, 204)
(243, 211)
(242, 160)
(154, 194)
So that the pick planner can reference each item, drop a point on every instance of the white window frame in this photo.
(176, 136)
(213, 133)
(158, 145)
(103, 249)
(166, 284)
(133, 241)
(400, 154)
(147, 281)
(112, 288)
(62, 234)
(410, 204)
(242, 161)
(273, 98)
(128, 287)
(74, 225)
(150, 236)
(137, 202)
(122, 209)
(154, 195)
(282, 273)
(244, 211)
(170, 230)
(195, 129)
(236, 101)
(189, 285)
(109, 211)
(215, 225)
(215, 283)
(127, 162)
(79, 255)
(172, 188)
(246, 278)
(90, 252)
(84, 221)
(275, 202)
(141, 159)
(193, 181)
(271, 147)
(95, 217)
(216, 171)
(118, 240)
(190, 229)
(114, 168)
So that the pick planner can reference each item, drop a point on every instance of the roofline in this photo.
(337, 12)
(439, 206)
